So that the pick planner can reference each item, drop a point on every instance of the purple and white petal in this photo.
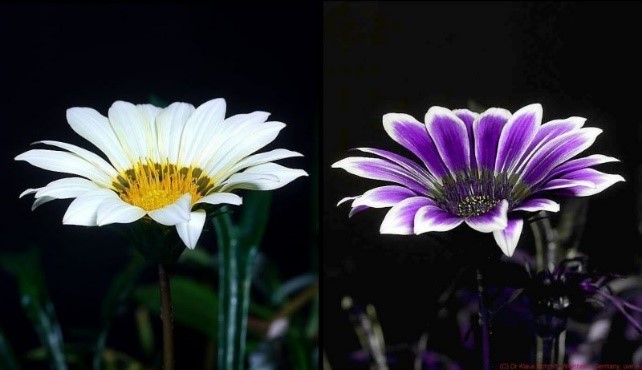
(450, 136)
(355, 210)
(413, 168)
(347, 199)
(557, 184)
(412, 134)
(469, 117)
(384, 196)
(548, 132)
(379, 169)
(508, 238)
(517, 135)
(538, 204)
(493, 220)
(599, 180)
(401, 218)
(556, 152)
(432, 218)
(579, 163)
(487, 129)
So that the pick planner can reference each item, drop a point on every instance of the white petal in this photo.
(40, 201)
(84, 154)
(95, 128)
(70, 187)
(169, 128)
(195, 136)
(240, 146)
(228, 135)
(129, 125)
(218, 198)
(175, 213)
(508, 238)
(261, 158)
(190, 231)
(283, 175)
(83, 210)
(149, 113)
(115, 211)
(64, 162)
(29, 191)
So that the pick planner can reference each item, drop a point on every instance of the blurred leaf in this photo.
(312, 328)
(157, 101)
(7, 357)
(116, 296)
(121, 286)
(254, 217)
(145, 332)
(297, 351)
(266, 279)
(27, 269)
(199, 257)
(195, 304)
(292, 286)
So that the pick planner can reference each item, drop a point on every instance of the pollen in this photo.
(151, 186)
(475, 205)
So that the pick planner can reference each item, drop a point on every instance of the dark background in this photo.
(576, 59)
(53, 57)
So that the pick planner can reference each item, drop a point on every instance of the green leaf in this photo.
(115, 299)
(26, 267)
(195, 304)
(7, 357)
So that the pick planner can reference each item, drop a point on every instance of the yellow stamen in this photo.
(152, 186)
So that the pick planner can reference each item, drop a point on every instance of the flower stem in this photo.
(483, 321)
(235, 276)
(166, 317)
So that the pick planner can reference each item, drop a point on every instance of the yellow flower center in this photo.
(152, 186)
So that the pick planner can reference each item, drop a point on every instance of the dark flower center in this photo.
(476, 193)
(475, 205)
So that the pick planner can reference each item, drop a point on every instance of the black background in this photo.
(257, 56)
(576, 59)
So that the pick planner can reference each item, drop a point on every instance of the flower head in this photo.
(486, 170)
(162, 164)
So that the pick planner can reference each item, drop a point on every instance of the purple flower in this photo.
(486, 170)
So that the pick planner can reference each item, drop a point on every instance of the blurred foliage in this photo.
(283, 314)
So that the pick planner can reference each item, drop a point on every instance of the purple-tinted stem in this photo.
(483, 321)
(618, 304)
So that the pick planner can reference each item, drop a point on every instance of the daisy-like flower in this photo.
(486, 170)
(163, 164)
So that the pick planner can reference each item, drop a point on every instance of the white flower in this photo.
(162, 164)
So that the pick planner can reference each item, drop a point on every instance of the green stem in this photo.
(235, 275)
(166, 317)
